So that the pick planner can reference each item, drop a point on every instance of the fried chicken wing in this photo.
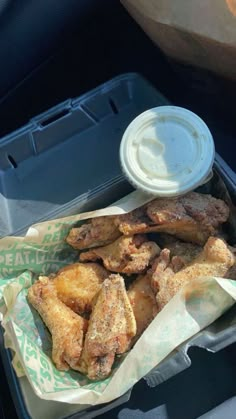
(167, 278)
(128, 254)
(111, 328)
(78, 284)
(66, 327)
(192, 217)
(95, 232)
(143, 302)
(164, 267)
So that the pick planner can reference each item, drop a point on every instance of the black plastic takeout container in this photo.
(66, 161)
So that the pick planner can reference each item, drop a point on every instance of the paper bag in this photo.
(201, 33)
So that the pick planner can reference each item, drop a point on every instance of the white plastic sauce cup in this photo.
(167, 151)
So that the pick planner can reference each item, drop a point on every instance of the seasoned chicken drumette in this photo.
(192, 217)
(67, 328)
(95, 232)
(170, 275)
(78, 284)
(111, 328)
(128, 254)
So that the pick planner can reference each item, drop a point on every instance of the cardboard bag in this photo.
(195, 32)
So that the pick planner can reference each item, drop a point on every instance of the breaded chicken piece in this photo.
(164, 267)
(111, 328)
(78, 284)
(128, 254)
(66, 327)
(134, 222)
(95, 232)
(143, 302)
(168, 278)
(192, 217)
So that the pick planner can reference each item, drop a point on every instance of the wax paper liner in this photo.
(43, 250)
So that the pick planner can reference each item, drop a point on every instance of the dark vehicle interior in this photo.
(54, 50)
(51, 51)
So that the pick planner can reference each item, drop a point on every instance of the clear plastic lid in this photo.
(167, 151)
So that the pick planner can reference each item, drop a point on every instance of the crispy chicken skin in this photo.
(143, 302)
(192, 217)
(128, 254)
(95, 232)
(168, 276)
(164, 267)
(134, 222)
(111, 328)
(66, 327)
(78, 284)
